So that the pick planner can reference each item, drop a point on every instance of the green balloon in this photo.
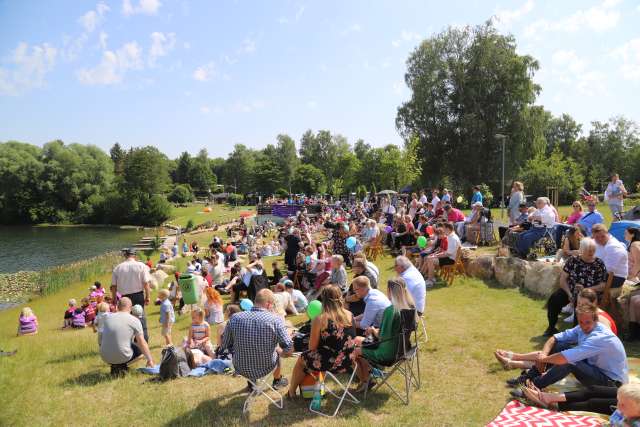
(314, 309)
(422, 242)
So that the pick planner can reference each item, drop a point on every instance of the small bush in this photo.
(181, 194)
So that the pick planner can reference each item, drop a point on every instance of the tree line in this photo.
(470, 89)
(76, 183)
(470, 93)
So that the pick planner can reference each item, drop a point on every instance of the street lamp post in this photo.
(502, 205)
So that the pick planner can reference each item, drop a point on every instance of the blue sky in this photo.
(182, 75)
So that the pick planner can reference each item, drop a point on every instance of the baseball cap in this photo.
(129, 251)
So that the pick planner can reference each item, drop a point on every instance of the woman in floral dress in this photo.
(331, 342)
(579, 272)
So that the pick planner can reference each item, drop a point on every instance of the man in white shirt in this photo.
(414, 280)
(423, 198)
(389, 211)
(131, 278)
(541, 219)
(613, 253)
(443, 258)
(435, 199)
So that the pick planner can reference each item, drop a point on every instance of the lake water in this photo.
(36, 248)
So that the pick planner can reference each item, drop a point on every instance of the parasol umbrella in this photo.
(387, 192)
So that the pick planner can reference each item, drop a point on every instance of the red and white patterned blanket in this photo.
(517, 414)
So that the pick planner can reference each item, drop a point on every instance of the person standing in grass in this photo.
(167, 315)
(614, 195)
(132, 279)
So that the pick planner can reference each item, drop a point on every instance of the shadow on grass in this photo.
(88, 379)
(73, 357)
(227, 410)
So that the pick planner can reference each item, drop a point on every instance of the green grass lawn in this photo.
(57, 376)
(220, 214)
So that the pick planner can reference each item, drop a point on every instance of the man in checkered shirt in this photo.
(254, 337)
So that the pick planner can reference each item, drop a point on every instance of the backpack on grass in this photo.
(173, 364)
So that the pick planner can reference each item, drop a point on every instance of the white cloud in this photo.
(103, 40)
(230, 60)
(243, 107)
(145, 7)
(283, 20)
(248, 45)
(299, 12)
(113, 66)
(507, 17)
(629, 56)
(186, 45)
(92, 19)
(406, 37)
(598, 18)
(161, 45)
(204, 73)
(398, 87)
(29, 67)
(354, 28)
(576, 73)
(312, 105)
(205, 109)
(73, 47)
(569, 60)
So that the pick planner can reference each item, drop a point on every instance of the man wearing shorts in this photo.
(443, 258)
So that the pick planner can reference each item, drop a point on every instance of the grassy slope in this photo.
(58, 378)
(220, 214)
(61, 372)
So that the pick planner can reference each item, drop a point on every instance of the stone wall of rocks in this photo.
(538, 277)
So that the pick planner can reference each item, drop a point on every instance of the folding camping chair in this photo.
(448, 273)
(342, 395)
(374, 249)
(261, 387)
(407, 360)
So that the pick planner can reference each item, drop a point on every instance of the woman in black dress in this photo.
(331, 342)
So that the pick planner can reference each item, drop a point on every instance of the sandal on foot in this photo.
(535, 396)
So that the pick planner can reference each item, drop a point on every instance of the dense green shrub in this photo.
(181, 193)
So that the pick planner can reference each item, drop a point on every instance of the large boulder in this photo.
(510, 271)
(480, 267)
(167, 268)
(542, 278)
(157, 279)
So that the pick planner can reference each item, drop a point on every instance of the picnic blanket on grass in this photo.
(215, 366)
(517, 414)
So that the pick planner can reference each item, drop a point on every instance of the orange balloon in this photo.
(229, 249)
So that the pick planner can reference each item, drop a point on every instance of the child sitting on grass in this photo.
(27, 323)
(74, 316)
(213, 307)
(167, 315)
(98, 323)
(200, 333)
(89, 311)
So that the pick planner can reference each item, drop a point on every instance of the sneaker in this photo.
(550, 331)
(570, 319)
(517, 393)
(279, 383)
(567, 309)
(428, 283)
(515, 382)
